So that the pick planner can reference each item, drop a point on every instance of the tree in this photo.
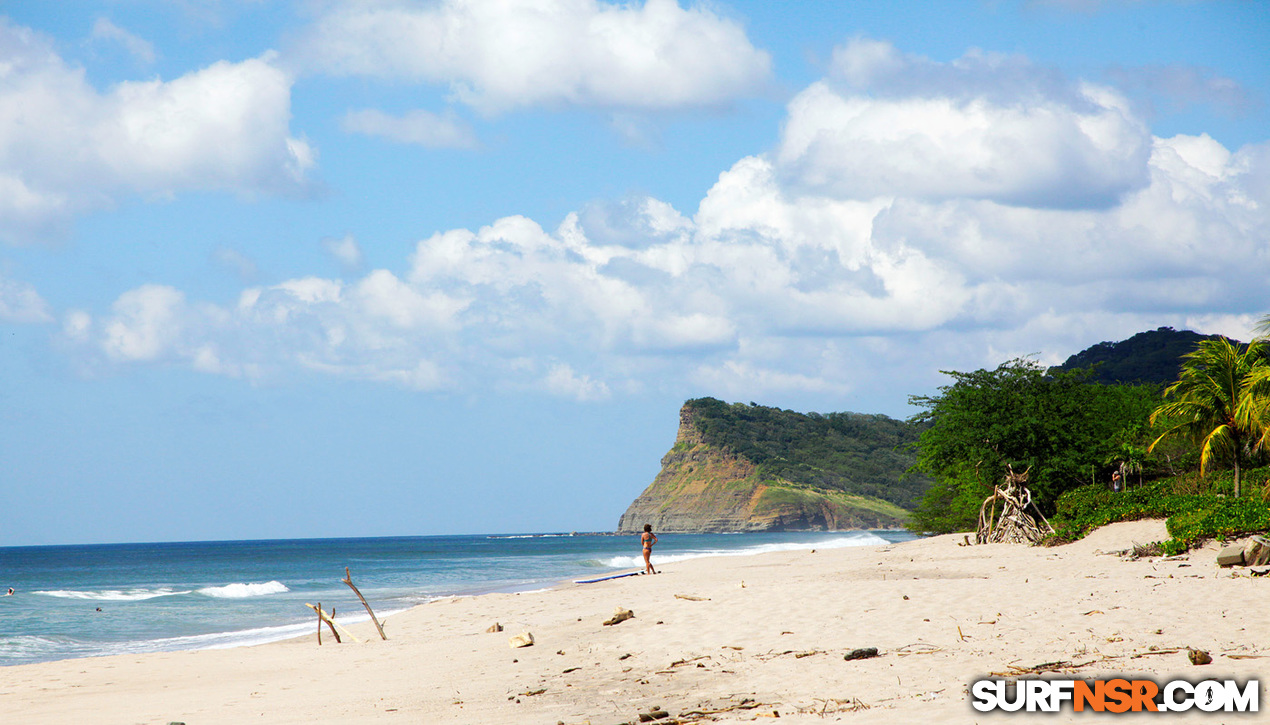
(1055, 425)
(1219, 401)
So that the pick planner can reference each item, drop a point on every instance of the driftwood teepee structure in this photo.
(1013, 524)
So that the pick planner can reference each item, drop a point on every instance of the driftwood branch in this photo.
(333, 624)
(348, 579)
(1013, 524)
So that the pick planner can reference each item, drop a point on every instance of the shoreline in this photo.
(710, 633)
(567, 566)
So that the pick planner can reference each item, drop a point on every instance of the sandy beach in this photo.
(736, 639)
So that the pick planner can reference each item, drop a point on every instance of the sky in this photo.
(323, 268)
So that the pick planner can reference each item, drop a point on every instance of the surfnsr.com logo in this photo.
(1115, 695)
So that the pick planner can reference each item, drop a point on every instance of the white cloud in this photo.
(77, 325)
(982, 127)
(774, 285)
(382, 296)
(66, 148)
(346, 251)
(496, 56)
(563, 381)
(418, 127)
(146, 325)
(21, 303)
(139, 48)
(740, 379)
(763, 290)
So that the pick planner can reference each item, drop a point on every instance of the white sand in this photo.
(940, 614)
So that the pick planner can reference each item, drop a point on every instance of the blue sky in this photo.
(337, 268)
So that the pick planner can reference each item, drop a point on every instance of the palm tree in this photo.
(1127, 458)
(1220, 400)
(1263, 327)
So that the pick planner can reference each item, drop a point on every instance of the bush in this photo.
(1192, 517)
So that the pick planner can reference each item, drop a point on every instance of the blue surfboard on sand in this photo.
(606, 578)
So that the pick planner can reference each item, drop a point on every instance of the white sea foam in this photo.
(245, 637)
(841, 542)
(242, 591)
(113, 595)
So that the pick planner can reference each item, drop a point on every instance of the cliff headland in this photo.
(755, 468)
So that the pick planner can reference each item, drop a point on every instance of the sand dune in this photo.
(764, 634)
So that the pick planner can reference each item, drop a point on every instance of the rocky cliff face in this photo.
(702, 489)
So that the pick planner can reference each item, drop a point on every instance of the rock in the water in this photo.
(619, 615)
(1199, 657)
(524, 639)
(1257, 552)
(1231, 556)
(863, 653)
(496, 627)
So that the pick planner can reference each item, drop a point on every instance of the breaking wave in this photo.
(113, 595)
(242, 591)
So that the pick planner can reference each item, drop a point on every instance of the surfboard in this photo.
(606, 578)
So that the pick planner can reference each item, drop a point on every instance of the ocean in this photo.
(87, 601)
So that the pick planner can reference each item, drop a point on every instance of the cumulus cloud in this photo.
(986, 126)
(777, 284)
(421, 128)
(497, 56)
(66, 148)
(762, 290)
(146, 324)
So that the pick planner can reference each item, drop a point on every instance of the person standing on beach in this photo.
(648, 538)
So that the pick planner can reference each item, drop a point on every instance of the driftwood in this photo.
(348, 579)
(1014, 524)
(704, 712)
(332, 623)
(1059, 666)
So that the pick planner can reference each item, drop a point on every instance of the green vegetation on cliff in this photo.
(852, 453)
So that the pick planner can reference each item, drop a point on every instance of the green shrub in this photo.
(1192, 517)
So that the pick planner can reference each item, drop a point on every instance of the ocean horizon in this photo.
(91, 600)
